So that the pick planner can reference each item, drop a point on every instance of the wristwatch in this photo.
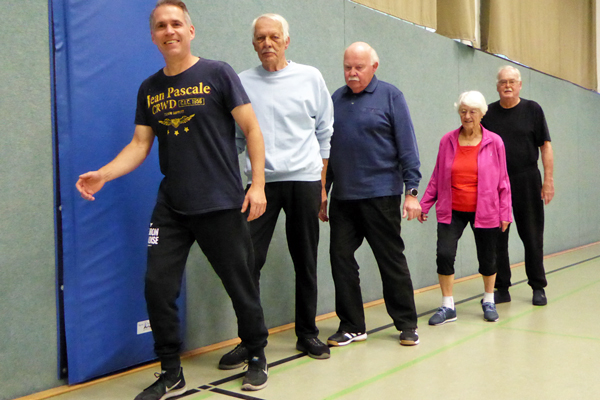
(412, 192)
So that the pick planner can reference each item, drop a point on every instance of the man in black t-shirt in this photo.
(191, 106)
(522, 126)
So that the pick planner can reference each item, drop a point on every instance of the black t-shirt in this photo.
(190, 114)
(523, 129)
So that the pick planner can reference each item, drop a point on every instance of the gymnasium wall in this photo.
(431, 71)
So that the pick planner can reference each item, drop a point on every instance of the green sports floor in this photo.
(549, 352)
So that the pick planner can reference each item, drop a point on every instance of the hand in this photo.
(412, 208)
(323, 211)
(422, 218)
(504, 225)
(255, 197)
(89, 184)
(548, 191)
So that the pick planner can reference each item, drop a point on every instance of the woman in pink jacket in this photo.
(470, 185)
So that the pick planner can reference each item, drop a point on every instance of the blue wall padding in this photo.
(102, 52)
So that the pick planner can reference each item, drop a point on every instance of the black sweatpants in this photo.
(377, 220)
(528, 212)
(224, 238)
(301, 202)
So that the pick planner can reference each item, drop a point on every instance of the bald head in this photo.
(360, 64)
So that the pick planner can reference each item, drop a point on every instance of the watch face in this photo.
(413, 192)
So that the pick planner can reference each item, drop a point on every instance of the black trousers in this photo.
(528, 212)
(486, 241)
(301, 202)
(378, 221)
(224, 238)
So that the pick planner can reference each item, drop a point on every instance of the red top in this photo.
(464, 178)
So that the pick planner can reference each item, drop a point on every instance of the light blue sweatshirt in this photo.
(295, 114)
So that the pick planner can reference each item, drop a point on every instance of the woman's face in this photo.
(470, 117)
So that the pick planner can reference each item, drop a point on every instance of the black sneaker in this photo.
(235, 358)
(344, 338)
(501, 296)
(257, 375)
(314, 347)
(165, 387)
(409, 337)
(539, 297)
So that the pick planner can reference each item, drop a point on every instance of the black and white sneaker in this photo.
(409, 337)
(344, 338)
(167, 386)
(257, 375)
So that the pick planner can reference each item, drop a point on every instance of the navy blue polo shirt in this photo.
(374, 150)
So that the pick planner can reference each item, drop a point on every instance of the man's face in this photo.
(508, 85)
(358, 70)
(171, 33)
(269, 43)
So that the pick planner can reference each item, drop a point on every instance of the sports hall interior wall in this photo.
(431, 71)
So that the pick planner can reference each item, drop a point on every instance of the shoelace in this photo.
(238, 348)
(442, 310)
(314, 342)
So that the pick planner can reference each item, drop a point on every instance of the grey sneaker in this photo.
(489, 312)
(409, 337)
(313, 347)
(344, 338)
(235, 358)
(257, 375)
(165, 387)
(443, 315)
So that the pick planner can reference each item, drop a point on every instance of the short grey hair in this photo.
(275, 17)
(510, 68)
(473, 99)
(176, 3)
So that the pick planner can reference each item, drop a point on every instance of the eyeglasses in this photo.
(472, 112)
(510, 82)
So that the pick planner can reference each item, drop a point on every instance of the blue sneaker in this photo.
(443, 315)
(489, 312)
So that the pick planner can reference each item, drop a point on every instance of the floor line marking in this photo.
(498, 325)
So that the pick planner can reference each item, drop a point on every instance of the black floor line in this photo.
(211, 385)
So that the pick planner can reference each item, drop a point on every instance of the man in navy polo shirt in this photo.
(373, 156)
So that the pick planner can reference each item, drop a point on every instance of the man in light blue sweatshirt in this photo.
(295, 113)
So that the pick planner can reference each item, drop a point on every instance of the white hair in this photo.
(510, 68)
(275, 17)
(473, 99)
(374, 56)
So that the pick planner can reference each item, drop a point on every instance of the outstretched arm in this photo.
(255, 197)
(126, 161)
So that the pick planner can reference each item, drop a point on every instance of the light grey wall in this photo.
(28, 350)
(431, 71)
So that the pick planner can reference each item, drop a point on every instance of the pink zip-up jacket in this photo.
(494, 203)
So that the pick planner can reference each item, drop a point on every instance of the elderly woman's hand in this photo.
(504, 225)
(422, 218)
